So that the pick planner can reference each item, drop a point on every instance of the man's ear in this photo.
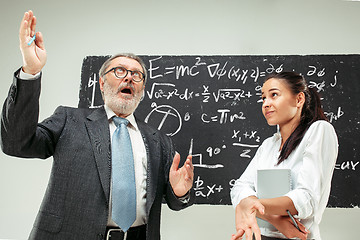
(101, 83)
(300, 99)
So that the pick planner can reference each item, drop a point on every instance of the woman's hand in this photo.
(286, 226)
(245, 218)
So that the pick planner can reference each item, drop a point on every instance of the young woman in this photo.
(307, 145)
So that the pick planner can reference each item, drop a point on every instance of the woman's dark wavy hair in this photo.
(311, 111)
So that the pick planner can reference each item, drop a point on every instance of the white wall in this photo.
(75, 29)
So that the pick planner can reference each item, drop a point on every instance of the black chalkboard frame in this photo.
(213, 101)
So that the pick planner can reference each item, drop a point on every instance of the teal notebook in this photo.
(272, 183)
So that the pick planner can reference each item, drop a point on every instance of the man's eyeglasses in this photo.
(121, 72)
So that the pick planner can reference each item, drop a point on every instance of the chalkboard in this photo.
(214, 102)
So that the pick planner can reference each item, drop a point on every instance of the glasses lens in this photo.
(120, 72)
(137, 76)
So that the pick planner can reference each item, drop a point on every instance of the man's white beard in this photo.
(119, 105)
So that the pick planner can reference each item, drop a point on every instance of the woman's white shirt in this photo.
(312, 164)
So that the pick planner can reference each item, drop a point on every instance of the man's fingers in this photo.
(190, 172)
(27, 27)
(30, 19)
(22, 32)
(189, 161)
(32, 26)
(31, 14)
(176, 162)
(23, 28)
(187, 170)
(189, 167)
(39, 40)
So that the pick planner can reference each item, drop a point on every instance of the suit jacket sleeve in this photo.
(21, 135)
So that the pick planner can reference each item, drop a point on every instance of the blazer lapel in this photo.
(99, 133)
(153, 149)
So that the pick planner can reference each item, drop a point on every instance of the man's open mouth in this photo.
(126, 90)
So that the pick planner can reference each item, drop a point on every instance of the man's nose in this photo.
(128, 77)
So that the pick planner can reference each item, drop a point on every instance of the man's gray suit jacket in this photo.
(76, 201)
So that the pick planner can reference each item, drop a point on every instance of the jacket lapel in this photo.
(153, 149)
(99, 134)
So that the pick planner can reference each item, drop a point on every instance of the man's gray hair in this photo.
(106, 64)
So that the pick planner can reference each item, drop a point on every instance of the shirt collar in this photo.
(277, 135)
(110, 114)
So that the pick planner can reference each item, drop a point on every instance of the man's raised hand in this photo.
(34, 55)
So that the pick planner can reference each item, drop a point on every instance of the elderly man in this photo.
(111, 171)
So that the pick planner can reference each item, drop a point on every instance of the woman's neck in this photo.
(286, 130)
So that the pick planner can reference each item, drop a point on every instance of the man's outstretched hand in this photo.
(181, 179)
